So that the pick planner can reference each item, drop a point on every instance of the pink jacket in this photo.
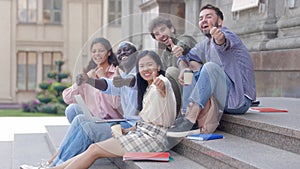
(101, 105)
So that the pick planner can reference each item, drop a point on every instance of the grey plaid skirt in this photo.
(146, 138)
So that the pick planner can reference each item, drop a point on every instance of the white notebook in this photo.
(89, 115)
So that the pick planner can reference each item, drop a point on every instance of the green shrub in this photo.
(31, 106)
(50, 95)
(60, 108)
(48, 108)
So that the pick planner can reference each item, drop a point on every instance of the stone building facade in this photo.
(269, 28)
(36, 33)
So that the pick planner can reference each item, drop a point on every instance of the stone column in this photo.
(135, 27)
(288, 24)
(255, 26)
(192, 9)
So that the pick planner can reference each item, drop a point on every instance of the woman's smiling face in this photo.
(99, 53)
(147, 66)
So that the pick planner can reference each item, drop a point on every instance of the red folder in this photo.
(267, 109)
(146, 156)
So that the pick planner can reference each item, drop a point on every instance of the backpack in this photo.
(209, 118)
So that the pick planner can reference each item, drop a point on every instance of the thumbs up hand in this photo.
(171, 42)
(92, 73)
(216, 34)
(81, 78)
(159, 83)
(117, 79)
(176, 50)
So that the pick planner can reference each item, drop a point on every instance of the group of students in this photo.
(133, 85)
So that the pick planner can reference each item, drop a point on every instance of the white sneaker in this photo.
(44, 164)
(24, 166)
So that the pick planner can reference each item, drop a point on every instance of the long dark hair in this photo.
(112, 59)
(142, 84)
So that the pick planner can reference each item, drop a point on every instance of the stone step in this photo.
(6, 154)
(103, 163)
(56, 133)
(30, 149)
(280, 130)
(179, 162)
(236, 152)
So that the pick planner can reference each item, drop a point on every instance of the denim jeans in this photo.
(80, 135)
(241, 110)
(211, 80)
(72, 111)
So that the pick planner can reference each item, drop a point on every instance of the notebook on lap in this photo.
(89, 115)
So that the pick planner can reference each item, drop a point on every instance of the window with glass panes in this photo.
(27, 11)
(26, 70)
(49, 59)
(115, 12)
(52, 10)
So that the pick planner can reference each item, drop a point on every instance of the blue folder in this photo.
(202, 137)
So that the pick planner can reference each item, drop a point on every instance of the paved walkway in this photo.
(12, 125)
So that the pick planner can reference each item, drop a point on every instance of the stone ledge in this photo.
(282, 60)
(10, 106)
(236, 152)
(280, 130)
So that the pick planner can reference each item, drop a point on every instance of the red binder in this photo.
(267, 109)
(146, 156)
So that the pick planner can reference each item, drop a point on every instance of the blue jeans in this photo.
(241, 110)
(211, 80)
(72, 110)
(80, 135)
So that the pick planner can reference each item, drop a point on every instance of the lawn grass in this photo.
(20, 113)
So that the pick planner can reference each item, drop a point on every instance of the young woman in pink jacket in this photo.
(102, 64)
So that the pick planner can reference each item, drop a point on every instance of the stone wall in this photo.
(271, 33)
(7, 82)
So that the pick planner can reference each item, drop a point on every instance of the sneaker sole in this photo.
(182, 134)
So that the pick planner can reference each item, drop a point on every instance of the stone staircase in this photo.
(34, 148)
(254, 140)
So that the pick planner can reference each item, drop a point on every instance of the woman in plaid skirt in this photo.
(157, 105)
